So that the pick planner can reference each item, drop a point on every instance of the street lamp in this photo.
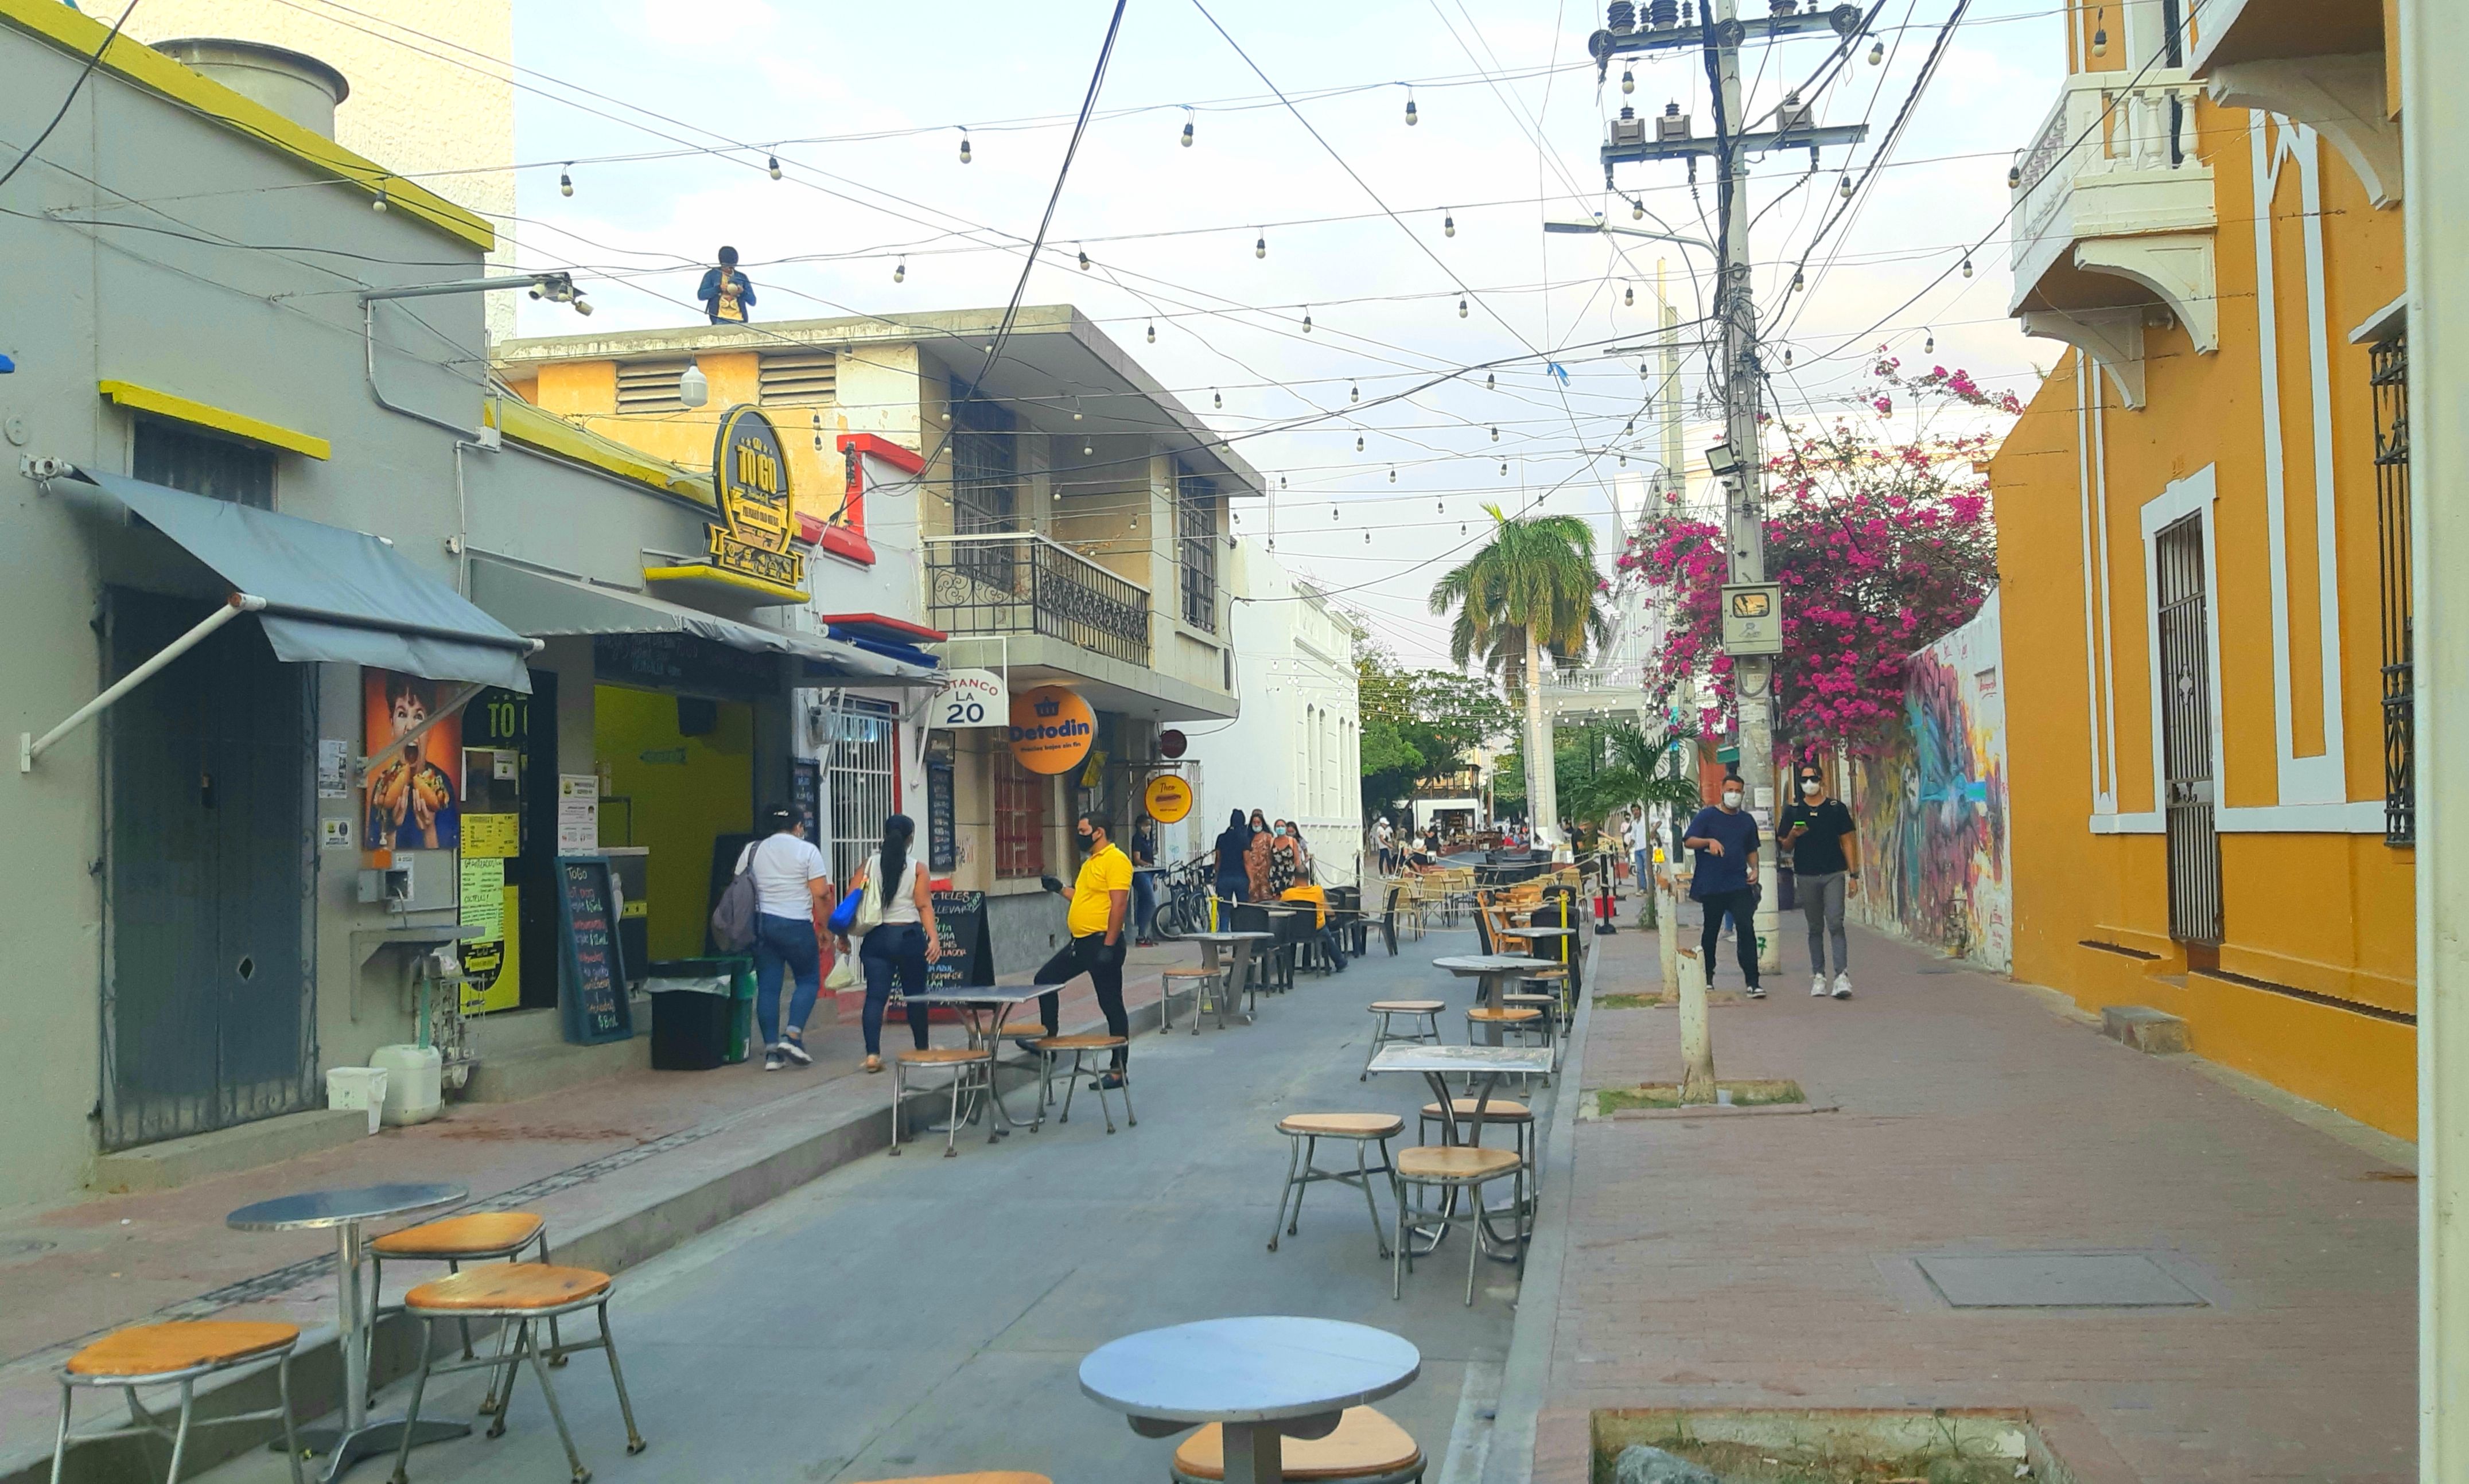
(1599, 227)
(1722, 461)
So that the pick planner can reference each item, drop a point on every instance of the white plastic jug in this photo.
(358, 1088)
(414, 1087)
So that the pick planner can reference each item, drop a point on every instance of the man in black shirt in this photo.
(1816, 827)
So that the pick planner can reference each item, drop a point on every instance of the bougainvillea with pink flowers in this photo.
(1882, 539)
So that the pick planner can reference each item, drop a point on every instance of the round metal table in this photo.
(1262, 1378)
(1211, 945)
(344, 1211)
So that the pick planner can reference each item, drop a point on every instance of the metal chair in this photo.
(1079, 1047)
(1523, 1021)
(1516, 1117)
(1428, 1011)
(474, 1237)
(972, 1068)
(1366, 1449)
(179, 1353)
(1204, 986)
(520, 1295)
(1303, 1133)
(1452, 1169)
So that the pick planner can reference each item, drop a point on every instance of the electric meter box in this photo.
(1753, 619)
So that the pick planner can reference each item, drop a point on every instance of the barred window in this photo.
(220, 468)
(986, 477)
(2389, 378)
(1019, 819)
(1196, 548)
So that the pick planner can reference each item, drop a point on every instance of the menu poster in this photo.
(487, 985)
(593, 994)
(960, 918)
(498, 836)
(578, 813)
(942, 840)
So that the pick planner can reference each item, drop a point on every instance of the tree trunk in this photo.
(1542, 792)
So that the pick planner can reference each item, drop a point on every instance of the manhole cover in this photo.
(2056, 1280)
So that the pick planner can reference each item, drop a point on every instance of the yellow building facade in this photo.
(2203, 525)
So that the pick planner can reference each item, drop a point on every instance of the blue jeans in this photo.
(894, 949)
(785, 943)
(1143, 901)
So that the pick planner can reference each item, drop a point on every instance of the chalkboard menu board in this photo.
(593, 991)
(942, 851)
(960, 917)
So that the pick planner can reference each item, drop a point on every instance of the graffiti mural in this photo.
(1931, 804)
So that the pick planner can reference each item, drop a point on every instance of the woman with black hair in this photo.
(791, 885)
(1232, 880)
(905, 939)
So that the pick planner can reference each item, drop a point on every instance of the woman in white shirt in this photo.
(791, 885)
(903, 941)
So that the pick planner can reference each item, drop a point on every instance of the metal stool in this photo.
(1303, 1133)
(1548, 1004)
(1452, 1168)
(1053, 1047)
(1027, 1037)
(1428, 1010)
(1365, 1448)
(1204, 986)
(1502, 1112)
(972, 1067)
(1523, 1021)
(476, 1237)
(178, 1354)
(520, 1295)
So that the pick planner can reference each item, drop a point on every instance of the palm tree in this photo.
(1530, 591)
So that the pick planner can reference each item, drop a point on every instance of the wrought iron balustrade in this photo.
(1018, 583)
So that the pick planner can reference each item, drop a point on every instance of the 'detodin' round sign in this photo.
(1168, 798)
(1051, 730)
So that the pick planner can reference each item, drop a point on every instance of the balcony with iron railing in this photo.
(2113, 219)
(1019, 582)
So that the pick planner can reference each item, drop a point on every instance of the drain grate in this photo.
(2056, 1280)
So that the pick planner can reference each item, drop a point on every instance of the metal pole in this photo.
(30, 747)
(1752, 675)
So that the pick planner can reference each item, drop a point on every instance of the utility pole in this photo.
(1739, 463)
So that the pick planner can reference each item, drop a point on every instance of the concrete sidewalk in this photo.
(624, 1168)
(1730, 1260)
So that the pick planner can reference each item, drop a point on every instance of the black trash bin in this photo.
(693, 1009)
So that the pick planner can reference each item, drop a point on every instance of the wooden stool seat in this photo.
(482, 1233)
(947, 1056)
(1365, 1445)
(972, 1478)
(1408, 1007)
(1455, 1162)
(1500, 1111)
(509, 1287)
(1504, 1015)
(181, 1345)
(1344, 1125)
(1193, 974)
(1092, 1041)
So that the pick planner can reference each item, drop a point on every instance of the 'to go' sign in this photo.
(971, 697)
(1051, 730)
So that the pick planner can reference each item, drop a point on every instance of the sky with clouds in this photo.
(672, 109)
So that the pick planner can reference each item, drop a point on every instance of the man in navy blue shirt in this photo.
(727, 294)
(1725, 881)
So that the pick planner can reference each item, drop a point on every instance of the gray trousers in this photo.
(1821, 902)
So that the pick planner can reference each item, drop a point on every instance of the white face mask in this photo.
(1809, 786)
(1731, 798)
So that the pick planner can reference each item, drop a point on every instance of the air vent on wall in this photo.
(649, 386)
(800, 377)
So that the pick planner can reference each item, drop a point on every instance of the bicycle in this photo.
(1183, 908)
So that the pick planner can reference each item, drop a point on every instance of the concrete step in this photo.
(512, 1076)
(176, 1162)
(2145, 1029)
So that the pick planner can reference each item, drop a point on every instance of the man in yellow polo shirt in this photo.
(1101, 898)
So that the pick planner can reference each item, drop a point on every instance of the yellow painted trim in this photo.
(67, 31)
(546, 431)
(703, 572)
(239, 424)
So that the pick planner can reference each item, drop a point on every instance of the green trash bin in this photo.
(741, 1009)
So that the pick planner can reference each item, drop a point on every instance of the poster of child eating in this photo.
(411, 793)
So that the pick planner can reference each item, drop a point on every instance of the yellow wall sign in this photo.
(1168, 798)
(750, 476)
(1051, 730)
(491, 836)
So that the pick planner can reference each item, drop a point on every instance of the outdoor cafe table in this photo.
(1492, 971)
(984, 1007)
(1212, 943)
(1262, 1378)
(344, 1211)
(1490, 1063)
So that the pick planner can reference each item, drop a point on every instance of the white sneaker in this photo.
(1755, 992)
(1817, 986)
(1843, 985)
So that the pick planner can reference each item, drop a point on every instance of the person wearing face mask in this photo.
(1725, 881)
(1256, 857)
(1818, 829)
(1101, 899)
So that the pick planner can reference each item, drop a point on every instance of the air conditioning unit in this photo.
(1672, 125)
(1628, 129)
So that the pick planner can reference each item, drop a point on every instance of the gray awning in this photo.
(546, 607)
(332, 595)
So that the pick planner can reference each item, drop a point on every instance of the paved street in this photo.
(1766, 1261)
(922, 1315)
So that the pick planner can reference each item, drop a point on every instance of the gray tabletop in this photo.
(1462, 1059)
(340, 1207)
(1491, 962)
(1227, 937)
(1259, 1369)
(1538, 932)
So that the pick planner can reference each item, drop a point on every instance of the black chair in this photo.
(1345, 903)
(1389, 916)
(1274, 965)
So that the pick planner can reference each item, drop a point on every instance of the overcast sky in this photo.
(863, 106)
